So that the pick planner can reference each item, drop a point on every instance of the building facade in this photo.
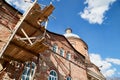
(65, 58)
(93, 72)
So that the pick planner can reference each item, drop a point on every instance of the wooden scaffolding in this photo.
(27, 38)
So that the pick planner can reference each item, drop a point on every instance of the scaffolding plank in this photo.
(37, 15)
(18, 53)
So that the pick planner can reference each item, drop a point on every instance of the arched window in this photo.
(55, 48)
(68, 78)
(28, 71)
(62, 52)
(68, 56)
(53, 75)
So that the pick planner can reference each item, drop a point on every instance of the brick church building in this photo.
(42, 54)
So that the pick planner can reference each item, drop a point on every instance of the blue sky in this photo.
(95, 21)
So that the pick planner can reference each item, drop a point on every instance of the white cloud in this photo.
(22, 5)
(95, 10)
(107, 68)
(112, 60)
(110, 72)
(96, 59)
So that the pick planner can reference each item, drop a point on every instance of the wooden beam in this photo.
(26, 36)
(9, 58)
(37, 28)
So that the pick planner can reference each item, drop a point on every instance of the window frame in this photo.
(68, 78)
(29, 71)
(62, 52)
(55, 48)
(68, 56)
(53, 76)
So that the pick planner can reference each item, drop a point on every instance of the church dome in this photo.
(70, 34)
(77, 43)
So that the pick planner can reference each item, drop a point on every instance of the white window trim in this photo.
(55, 46)
(68, 56)
(62, 52)
(53, 76)
(30, 76)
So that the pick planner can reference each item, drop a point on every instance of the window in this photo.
(55, 48)
(68, 56)
(52, 75)
(68, 78)
(62, 52)
(28, 71)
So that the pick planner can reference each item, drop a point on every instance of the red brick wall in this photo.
(63, 67)
(8, 19)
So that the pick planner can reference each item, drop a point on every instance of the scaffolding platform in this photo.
(27, 38)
